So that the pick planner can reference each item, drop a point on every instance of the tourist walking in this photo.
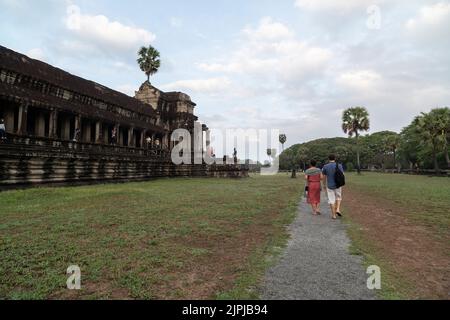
(2, 129)
(77, 135)
(334, 190)
(313, 177)
(114, 136)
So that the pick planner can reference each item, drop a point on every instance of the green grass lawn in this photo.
(163, 239)
(426, 199)
(424, 202)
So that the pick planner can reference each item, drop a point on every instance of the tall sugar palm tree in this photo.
(283, 140)
(354, 121)
(392, 143)
(149, 61)
(441, 118)
(433, 128)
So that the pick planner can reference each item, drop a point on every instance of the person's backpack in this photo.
(339, 177)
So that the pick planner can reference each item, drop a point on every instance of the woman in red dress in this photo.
(313, 177)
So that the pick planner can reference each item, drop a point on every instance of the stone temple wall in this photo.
(26, 162)
(62, 129)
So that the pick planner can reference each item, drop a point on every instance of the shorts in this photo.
(334, 195)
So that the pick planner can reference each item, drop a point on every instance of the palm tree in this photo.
(441, 118)
(149, 61)
(283, 140)
(392, 143)
(409, 148)
(425, 125)
(355, 120)
(292, 161)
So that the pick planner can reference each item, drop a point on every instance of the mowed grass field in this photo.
(402, 224)
(163, 239)
(426, 198)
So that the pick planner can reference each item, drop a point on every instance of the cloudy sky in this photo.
(293, 65)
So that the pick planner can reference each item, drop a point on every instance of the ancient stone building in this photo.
(65, 129)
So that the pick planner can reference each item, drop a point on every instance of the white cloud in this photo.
(340, 5)
(100, 31)
(206, 86)
(268, 30)
(433, 16)
(272, 51)
(430, 29)
(359, 80)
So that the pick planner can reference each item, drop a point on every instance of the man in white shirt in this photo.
(334, 193)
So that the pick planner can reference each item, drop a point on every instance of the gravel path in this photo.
(316, 264)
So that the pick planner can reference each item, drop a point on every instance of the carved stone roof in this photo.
(167, 96)
(16, 62)
(36, 98)
(178, 96)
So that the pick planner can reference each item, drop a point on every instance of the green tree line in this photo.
(421, 145)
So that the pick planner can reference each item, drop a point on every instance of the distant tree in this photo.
(392, 142)
(342, 153)
(410, 148)
(290, 158)
(303, 156)
(319, 150)
(354, 121)
(283, 140)
(149, 61)
(441, 119)
(427, 125)
(374, 149)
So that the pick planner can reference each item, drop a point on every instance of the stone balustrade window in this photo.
(8, 77)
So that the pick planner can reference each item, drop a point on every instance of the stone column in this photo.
(208, 142)
(53, 124)
(40, 124)
(65, 128)
(86, 134)
(106, 138)
(167, 141)
(143, 142)
(98, 132)
(203, 139)
(131, 137)
(78, 126)
(119, 136)
(9, 120)
(78, 122)
(22, 121)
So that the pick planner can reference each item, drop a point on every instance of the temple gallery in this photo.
(61, 128)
